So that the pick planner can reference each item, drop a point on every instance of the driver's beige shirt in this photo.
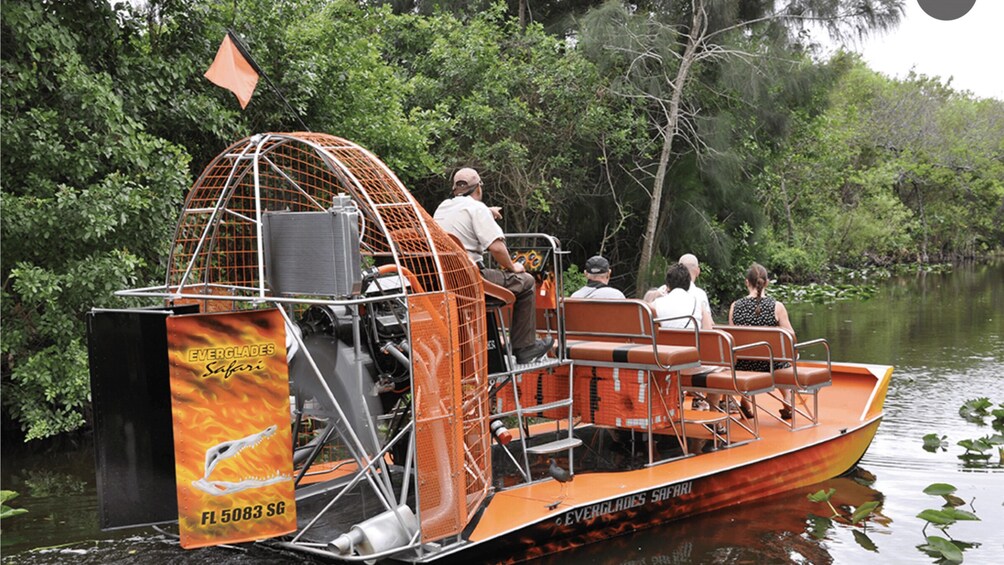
(472, 222)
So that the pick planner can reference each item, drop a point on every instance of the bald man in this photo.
(689, 261)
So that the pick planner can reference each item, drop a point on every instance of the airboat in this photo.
(325, 371)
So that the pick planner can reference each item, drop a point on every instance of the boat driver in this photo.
(467, 217)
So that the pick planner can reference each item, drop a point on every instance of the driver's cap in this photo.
(465, 180)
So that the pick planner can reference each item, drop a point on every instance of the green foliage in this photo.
(344, 82)
(943, 548)
(975, 409)
(525, 110)
(821, 293)
(942, 518)
(860, 515)
(822, 495)
(889, 173)
(864, 511)
(89, 200)
(573, 279)
(725, 283)
(7, 511)
(939, 489)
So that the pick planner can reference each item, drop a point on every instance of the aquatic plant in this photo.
(822, 293)
(824, 496)
(998, 421)
(937, 546)
(849, 284)
(7, 511)
(976, 449)
(932, 442)
(975, 409)
(859, 516)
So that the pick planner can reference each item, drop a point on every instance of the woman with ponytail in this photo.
(755, 309)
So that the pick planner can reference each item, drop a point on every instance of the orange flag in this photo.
(232, 70)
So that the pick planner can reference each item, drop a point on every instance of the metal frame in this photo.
(372, 467)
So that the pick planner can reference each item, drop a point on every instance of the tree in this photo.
(531, 114)
(89, 201)
(338, 73)
(894, 170)
(659, 54)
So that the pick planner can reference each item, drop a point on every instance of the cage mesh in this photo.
(216, 253)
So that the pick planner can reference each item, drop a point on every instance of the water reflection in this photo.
(778, 529)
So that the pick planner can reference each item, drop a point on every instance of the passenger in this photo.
(653, 293)
(689, 261)
(467, 217)
(755, 309)
(678, 302)
(598, 274)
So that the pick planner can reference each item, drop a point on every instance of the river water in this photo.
(944, 333)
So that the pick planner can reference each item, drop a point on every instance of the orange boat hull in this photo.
(518, 524)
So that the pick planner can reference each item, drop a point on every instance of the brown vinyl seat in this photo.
(793, 377)
(630, 353)
(717, 373)
(620, 333)
(742, 382)
(497, 295)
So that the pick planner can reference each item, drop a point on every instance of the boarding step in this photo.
(703, 416)
(530, 410)
(533, 366)
(700, 423)
(555, 446)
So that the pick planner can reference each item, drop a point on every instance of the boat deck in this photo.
(850, 405)
(615, 491)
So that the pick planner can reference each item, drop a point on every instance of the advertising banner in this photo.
(232, 438)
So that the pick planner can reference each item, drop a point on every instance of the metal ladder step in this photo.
(555, 446)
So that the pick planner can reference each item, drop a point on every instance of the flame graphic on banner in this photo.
(233, 445)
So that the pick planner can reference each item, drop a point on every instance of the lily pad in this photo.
(940, 489)
(932, 442)
(863, 511)
(943, 548)
(864, 541)
(936, 517)
(960, 514)
(821, 496)
(979, 445)
(975, 409)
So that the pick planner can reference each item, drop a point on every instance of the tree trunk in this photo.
(696, 36)
(787, 211)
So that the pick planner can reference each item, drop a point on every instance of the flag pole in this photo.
(254, 65)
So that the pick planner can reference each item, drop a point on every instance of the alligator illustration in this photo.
(228, 449)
